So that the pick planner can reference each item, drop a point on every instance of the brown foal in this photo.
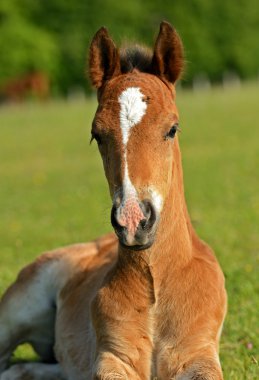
(149, 301)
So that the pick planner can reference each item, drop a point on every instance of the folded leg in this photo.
(33, 371)
(27, 313)
(201, 369)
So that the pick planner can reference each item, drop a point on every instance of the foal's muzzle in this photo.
(137, 230)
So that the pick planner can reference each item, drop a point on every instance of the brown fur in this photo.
(123, 314)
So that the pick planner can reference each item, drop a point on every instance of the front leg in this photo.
(121, 317)
(109, 366)
(183, 364)
(201, 369)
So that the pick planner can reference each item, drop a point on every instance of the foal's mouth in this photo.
(140, 239)
(136, 247)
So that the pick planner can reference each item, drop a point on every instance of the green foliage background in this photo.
(53, 35)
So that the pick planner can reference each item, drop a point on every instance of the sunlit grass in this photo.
(53, 192)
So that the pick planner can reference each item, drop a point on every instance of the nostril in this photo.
(114, 220)
(149, 213)
(143, 223)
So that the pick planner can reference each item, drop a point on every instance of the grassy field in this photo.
(53, 192)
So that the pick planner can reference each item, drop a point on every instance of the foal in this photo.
(149, 301)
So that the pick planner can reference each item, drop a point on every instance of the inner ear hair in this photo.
(168, 56)
(104, 62)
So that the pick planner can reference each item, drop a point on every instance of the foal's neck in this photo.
(175, 237)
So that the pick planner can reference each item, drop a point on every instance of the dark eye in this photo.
(97, 137)
(172, 131)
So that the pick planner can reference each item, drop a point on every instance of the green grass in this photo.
(53, 192)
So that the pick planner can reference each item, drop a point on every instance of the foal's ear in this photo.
(104, 62)
(168, 57)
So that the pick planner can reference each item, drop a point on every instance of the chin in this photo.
(136, 247)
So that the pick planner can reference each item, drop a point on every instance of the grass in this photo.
(53, 192)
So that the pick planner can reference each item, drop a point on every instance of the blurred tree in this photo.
(24, 46)
(53, 35)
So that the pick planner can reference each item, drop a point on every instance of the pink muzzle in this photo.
(130, 214)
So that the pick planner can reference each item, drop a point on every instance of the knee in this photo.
(201, 370)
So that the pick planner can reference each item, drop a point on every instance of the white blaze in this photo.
(132, 110)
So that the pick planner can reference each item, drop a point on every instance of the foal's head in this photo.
(135, 126)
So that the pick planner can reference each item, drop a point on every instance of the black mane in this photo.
(135, 57)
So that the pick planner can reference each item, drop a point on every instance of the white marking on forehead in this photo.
(132, 110)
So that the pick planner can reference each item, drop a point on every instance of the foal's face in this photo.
(134, 127)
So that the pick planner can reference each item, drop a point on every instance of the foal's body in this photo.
(151, 302)
(49, 304)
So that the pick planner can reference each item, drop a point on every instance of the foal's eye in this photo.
(95, 136)
(172, 131)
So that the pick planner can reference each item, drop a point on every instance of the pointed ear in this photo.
(104, 61)
(168, 57)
